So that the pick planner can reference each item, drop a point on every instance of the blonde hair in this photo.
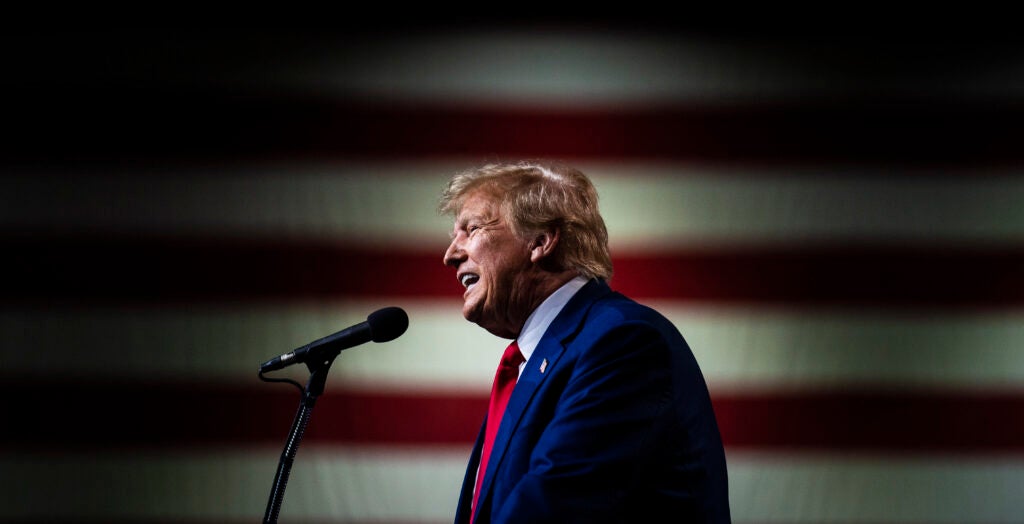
(537, 197)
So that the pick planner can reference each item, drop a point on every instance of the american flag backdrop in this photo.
(836, 226)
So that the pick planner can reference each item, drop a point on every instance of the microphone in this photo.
(382, 325)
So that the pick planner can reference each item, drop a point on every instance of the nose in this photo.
(454, 255)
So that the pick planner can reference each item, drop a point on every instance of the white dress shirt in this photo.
(538, 321)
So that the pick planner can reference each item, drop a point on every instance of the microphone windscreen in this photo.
(387, 324)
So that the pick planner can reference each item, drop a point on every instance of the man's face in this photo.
(494, 266)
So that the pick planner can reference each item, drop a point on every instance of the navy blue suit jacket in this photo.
(617, 427)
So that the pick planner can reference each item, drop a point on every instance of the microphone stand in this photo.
(314, 388)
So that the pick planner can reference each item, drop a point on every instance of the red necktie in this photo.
(504, 381)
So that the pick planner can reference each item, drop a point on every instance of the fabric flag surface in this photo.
(837, 230)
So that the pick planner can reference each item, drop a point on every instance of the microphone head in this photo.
(387, 324)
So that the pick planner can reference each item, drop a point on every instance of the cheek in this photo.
(492, 279)
(508, 276)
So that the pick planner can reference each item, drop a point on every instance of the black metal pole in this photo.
(314, 388)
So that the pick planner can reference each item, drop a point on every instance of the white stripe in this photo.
(736, 347)
(574, 67)
(421, 485)
(769, 488)
(650, 207)
(646, 206)
(215, 485)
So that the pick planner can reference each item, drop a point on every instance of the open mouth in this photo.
(468, 279)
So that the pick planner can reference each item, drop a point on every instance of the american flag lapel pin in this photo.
(543, 365)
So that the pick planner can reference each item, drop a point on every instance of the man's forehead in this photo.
(477, 205)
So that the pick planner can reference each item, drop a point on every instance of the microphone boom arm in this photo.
(382, 325)
(314, 388)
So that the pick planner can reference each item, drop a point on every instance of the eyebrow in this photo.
(479, 217)
(468, 218)
(460, 222)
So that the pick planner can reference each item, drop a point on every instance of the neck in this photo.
(539, 290)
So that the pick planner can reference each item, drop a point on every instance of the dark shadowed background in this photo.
(834, 222)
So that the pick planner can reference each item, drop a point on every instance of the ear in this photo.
(543, 245)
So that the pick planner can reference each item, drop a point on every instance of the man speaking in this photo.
(599, 412)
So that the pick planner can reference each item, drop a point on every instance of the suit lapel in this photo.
(549, 349)
(462, 511)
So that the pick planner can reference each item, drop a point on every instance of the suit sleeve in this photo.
(603, 433)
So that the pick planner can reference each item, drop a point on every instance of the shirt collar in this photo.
(542, 317)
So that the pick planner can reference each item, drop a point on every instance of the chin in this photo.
(472, 307)
(471, 313)
(477, 317)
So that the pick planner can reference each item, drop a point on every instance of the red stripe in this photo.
(112, 414)
(875, 421)
(157, 270)
(57, 416)
(150, 127)
(867, 275)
